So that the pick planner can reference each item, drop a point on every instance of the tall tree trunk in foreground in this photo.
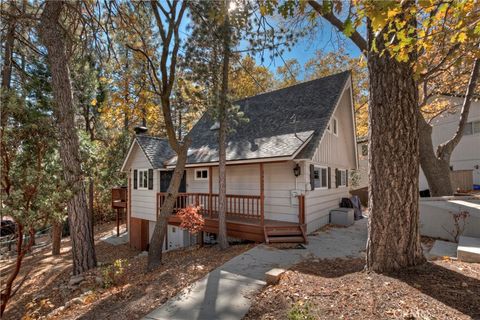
(222, 135)
(56, 234)
(436, 166)
(393, 238)
(53, 36)
(169, 32)
(7, 292)
(156, 243)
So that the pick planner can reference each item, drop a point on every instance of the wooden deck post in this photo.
(301, 209)
(262, 195)
(210, 186)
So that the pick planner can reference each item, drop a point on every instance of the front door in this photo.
(166, 176)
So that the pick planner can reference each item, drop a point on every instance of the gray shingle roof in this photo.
(156, 149)
(280, 124)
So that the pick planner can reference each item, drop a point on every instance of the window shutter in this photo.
(135, 177)
(336, 177)
(329, 177)
(346, 178)
(312, 177)
(150, 179)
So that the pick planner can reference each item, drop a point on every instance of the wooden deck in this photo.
(245, 217)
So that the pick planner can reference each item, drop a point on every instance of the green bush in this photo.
(300, 311)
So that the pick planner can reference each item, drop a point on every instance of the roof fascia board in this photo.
(354, 121)
(122, 169)
(248, 161)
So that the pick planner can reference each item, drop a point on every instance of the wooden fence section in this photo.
(244, 206)
(462, 180)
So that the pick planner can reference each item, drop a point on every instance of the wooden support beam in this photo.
(262, 194)
(210, 187)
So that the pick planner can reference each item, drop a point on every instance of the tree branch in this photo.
(356, 38)
(445, 150)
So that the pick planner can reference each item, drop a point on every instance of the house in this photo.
(465, 160)
(287, 167)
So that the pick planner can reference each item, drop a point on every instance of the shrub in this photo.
(191, 219)
(300, 311)
(113, 274)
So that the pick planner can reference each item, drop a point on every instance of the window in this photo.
(143, 179)
(320, 177)
(472, 128)
(343, 178)
(365, 149)
(201, 174)
(335, 126)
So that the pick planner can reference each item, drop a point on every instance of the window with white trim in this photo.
(471, 128)
(143, 179)
(335, 126)
(201, 174)
(343, 178)
(320, 177)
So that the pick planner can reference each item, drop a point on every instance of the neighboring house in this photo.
(465, 160)
(466, 155)
(362, 172)
(287, 167)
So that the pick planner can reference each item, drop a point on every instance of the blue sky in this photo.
(326, 39)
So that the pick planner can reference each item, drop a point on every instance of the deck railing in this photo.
(119, 197)
(245, 206)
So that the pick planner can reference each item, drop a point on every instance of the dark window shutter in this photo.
(312, 177)
(150, 179)
(135, 179)
(336, 177)
(329, 178)
(346, 178)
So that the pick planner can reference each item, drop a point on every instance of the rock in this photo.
(99, 281)
(77, 300)
(143, 254)
(273, 276)
(464, 284)
(87, 293)
(76, 280)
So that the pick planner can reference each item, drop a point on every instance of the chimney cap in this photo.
(140, 129)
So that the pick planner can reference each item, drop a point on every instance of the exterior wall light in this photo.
(296, 170)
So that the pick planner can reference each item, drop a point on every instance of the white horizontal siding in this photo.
(339, 150)
(143, 201)
(245, 180)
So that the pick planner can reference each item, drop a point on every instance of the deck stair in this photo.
(285, 234)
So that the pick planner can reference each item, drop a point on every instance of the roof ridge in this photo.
(349, 71)
(151, 137)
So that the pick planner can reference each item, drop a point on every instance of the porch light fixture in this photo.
(297, 170)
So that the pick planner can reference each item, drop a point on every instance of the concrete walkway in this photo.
(224, 293)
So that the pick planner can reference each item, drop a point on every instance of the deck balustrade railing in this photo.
(245, 206)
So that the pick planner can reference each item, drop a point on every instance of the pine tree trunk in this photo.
(437, 171)
(394, 238)
(222, 136)
(53, 37)
(56, 234)
(156, 243)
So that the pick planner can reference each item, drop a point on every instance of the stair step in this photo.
(468, 249)
(294, 239)
(284, 232)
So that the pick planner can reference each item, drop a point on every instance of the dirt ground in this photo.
(46, 290)
(340, 289)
